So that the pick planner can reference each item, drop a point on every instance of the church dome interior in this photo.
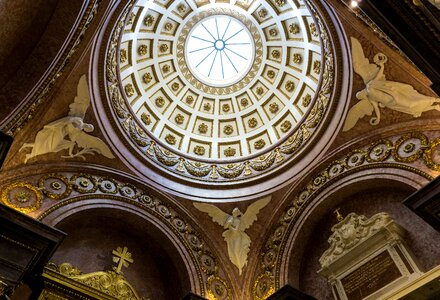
(220, 149)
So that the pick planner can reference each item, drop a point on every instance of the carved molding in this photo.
(107, 282)
(394, 152)
(70, 187)
(349, 232)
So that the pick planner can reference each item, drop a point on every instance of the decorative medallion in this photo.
(22, 196)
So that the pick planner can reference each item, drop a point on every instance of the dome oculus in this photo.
(219, 50)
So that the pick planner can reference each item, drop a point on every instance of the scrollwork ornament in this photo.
(355, 158)
(179, 224)
(84, 183)
(45, 183)
(108, 185)
(413, 151)
(147, 200)
(336, 168)
(218, 289)
(207, 263)
(428, 155)
(263, 286)
(128, 190)
(22, 196)
(379, 150)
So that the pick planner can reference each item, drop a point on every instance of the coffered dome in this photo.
(217, 91)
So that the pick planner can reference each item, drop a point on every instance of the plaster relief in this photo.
(70, 131)
(237, 240)
(380, 92)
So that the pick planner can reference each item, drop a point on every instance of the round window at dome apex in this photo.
(219, 50)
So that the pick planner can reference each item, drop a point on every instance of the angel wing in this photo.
(358, 111)
(82, 100)
(361, 64)
(214, 212)
(250, 216)
(92, 143)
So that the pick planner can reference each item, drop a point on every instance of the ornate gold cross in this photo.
(122, 257)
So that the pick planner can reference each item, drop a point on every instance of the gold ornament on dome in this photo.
(171, 139)
(226, 107)
(129, 90)
(181, 8)
(259, 144)
(163, 48)
(317, 66)
(189, 99)
(142, 50)
(294, 28)
(313, 29)
(228, 129)
(273, 32)
(306, 100)
(297, 58)
(270, 74)
(165, 68)
(244, 102)
(276, 54)
(146, 118)
(149, 20)
(199, 150)
(252, 122)
(290, 86)
(168, 26)
(262, 13)
(207, 106)
(123, 55)
(179, 119)
(160, 101)
(203, 128)
(147, 78)
(131, 18)
(274, 107)
(229, 152)
(280, 2)
(175, 86)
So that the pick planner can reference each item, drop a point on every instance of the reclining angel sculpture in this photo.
(69, 131)
(380, 92)
(237, 240)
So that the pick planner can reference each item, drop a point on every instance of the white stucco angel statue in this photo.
(380, 92)
(237, 240)
(69, 131)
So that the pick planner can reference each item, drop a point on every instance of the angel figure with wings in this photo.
(380, 92)
(237, 240)
(69, 131)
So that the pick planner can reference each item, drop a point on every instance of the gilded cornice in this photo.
(42, 93)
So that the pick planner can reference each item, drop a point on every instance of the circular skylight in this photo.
(219, 50)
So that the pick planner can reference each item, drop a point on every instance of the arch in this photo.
(75, 188)
(151, 242)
